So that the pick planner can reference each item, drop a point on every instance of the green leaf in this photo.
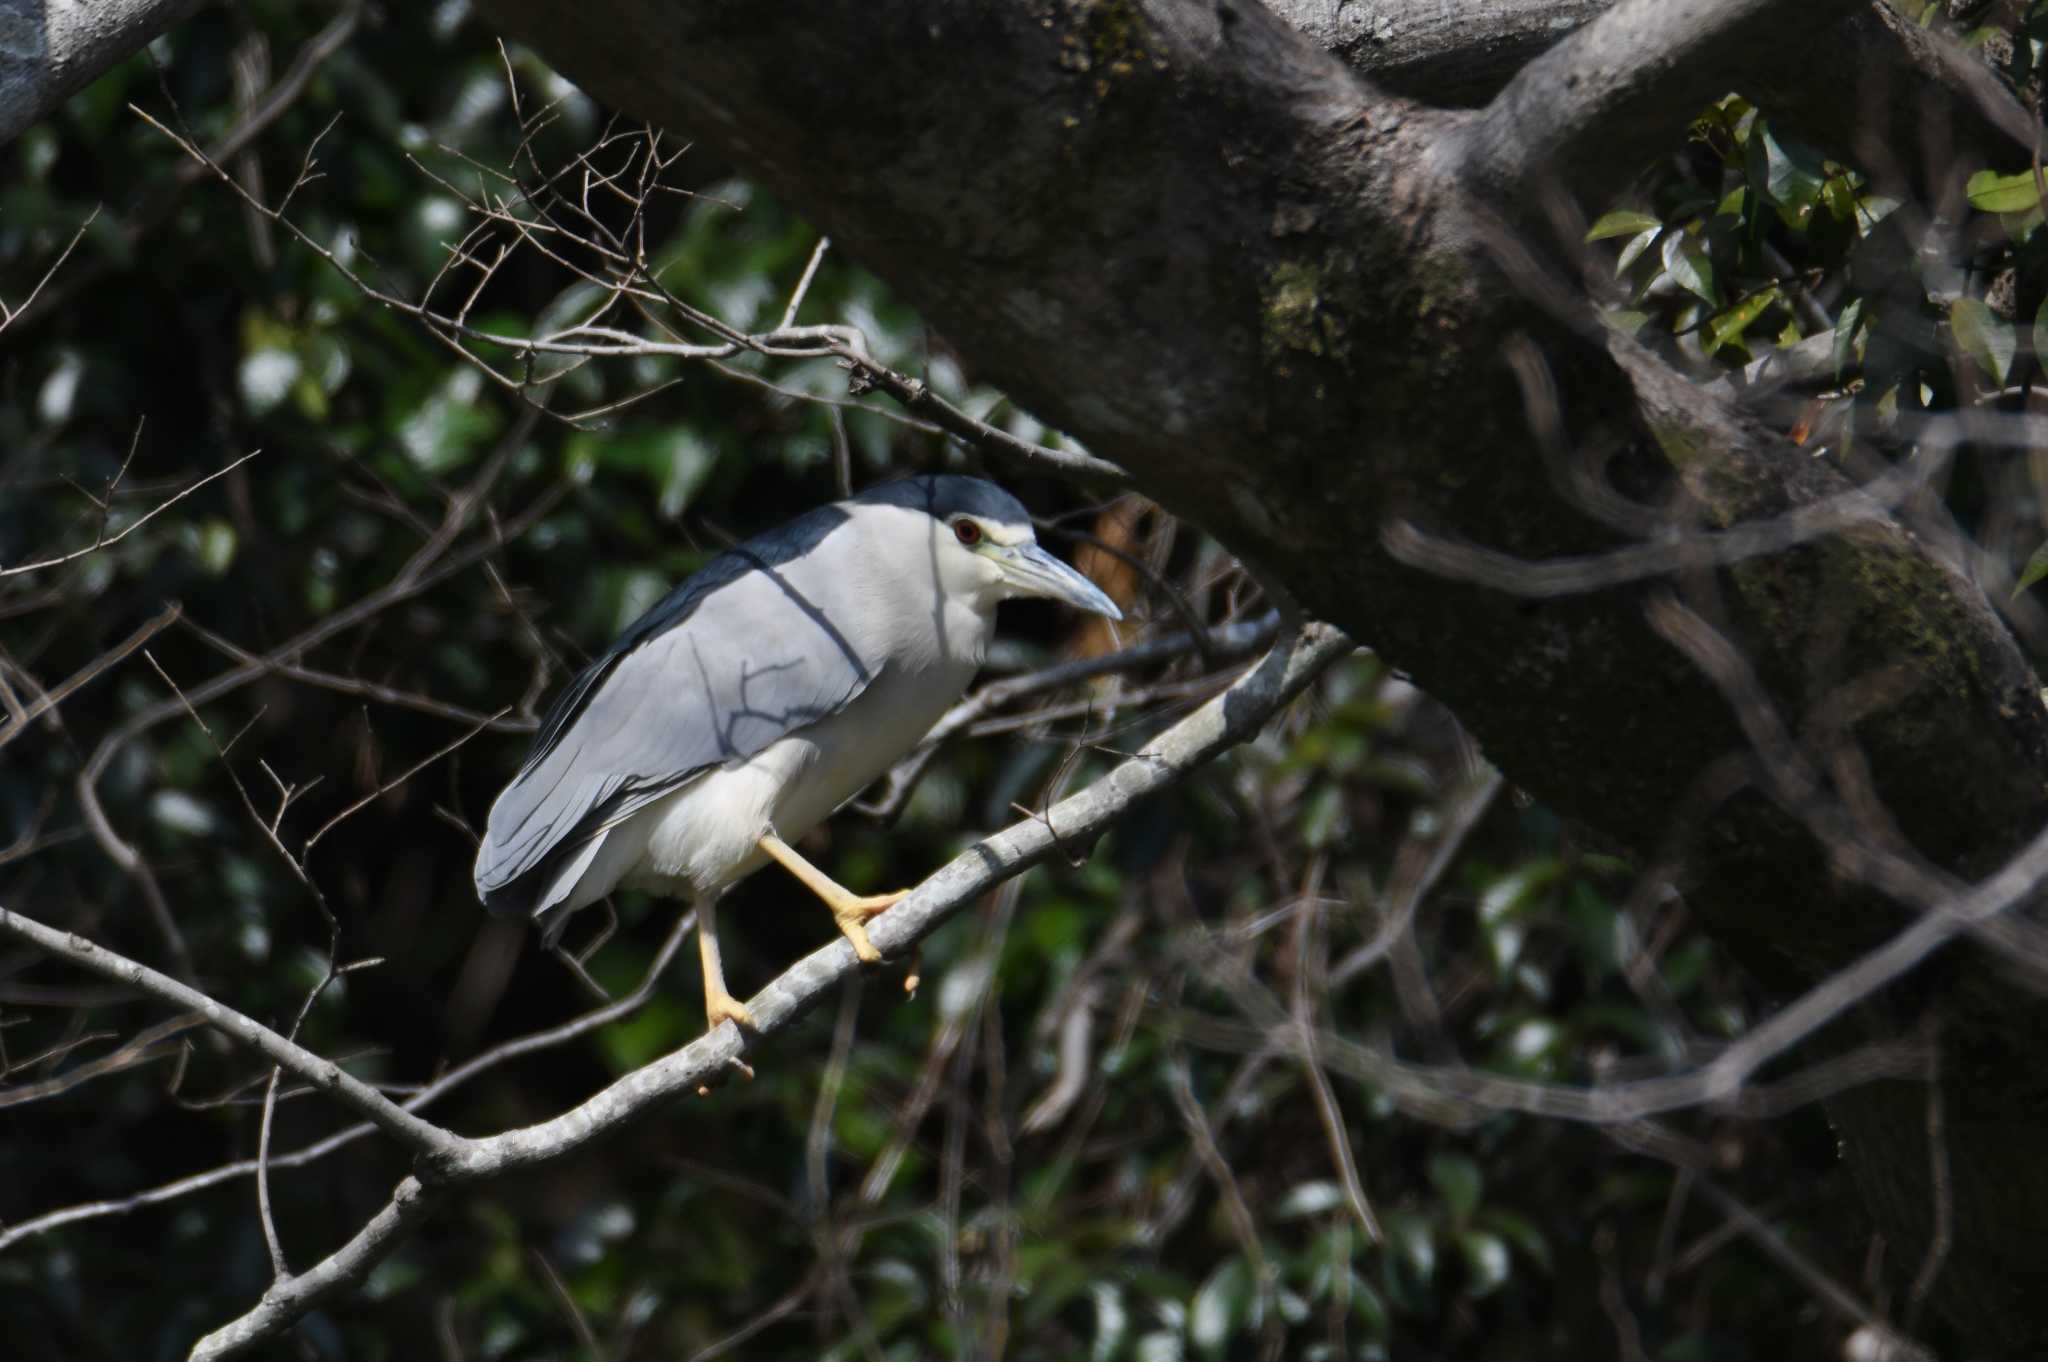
(1322, 820)
(1686, 261)
(1872, 209)
(1531, 1047)
(1411, 1245)
(1840, 197)
(1308, 1198)
(266, 377)
(1112, 1322)
(1503, 896)
(1621, 222)
(1459, 1182)
(1597, 926)
(1845, 336)
(1225, 1303)
(215, 548)
(1631, 252)
(2019, 226)
(1627, 321)
(1730, 325)
(1991, 192)
(1518, 1231)
(1367, 1305)
(1789, 173)
(1486, 1262)
(1983, 337)
(448, 428)
(2035, 570)
(1159, 1346)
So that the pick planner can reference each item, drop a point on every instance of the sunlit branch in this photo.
(1223, 722)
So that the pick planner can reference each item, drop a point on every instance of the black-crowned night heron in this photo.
(756, 698)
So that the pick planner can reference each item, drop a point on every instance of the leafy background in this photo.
(905, 1177)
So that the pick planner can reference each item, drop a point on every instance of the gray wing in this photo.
(739, 655)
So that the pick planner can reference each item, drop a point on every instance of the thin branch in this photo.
(388, 786)
(456, 1077)
(50, 699)
(918, 398)
(8, 314)
(353, 685)
(421, 1137)
(1307, 969)
(803, 285)
(1225, 643)
(103, 539)
(1824, 1288)
(143, 1049)
(1580, 573)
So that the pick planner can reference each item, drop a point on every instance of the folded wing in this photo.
(737, 656)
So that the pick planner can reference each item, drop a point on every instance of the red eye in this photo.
(967, 532)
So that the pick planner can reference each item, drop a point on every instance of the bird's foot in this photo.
(851, 922)
(721, 1007)
(853, 913)
(872, 905)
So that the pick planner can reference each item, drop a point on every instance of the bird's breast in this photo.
(849, 750)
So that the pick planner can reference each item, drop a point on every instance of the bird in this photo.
(758, 696)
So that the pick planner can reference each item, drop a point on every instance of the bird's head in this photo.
(984, 548)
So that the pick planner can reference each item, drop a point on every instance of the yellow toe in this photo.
(874, 904)
(725, 1007)
(850, 924)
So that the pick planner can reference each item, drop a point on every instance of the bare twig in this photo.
(456, 1077)
(145, 1048)
(103, 539)
(55, 696)
(410, 1131)
(8, 314)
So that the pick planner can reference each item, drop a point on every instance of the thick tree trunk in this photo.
(1209, 250)
(50, 48)
(1286, 301)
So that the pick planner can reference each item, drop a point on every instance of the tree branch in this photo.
(1074, 822)
(52, 50)
(545, 1038)
(1594, 109)
(1442, 53)
(422, 1137)
(1266, 290)
(289, 1298)
(1223, 722)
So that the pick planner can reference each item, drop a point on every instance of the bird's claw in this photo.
(720, 1007)
(854, 913)
(872, 905)
(850, 923)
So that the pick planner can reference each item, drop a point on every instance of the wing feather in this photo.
(741, 654)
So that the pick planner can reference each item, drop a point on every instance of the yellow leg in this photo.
(850, 910)
(719, 1005)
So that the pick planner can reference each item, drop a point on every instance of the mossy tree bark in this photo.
(1291, 305)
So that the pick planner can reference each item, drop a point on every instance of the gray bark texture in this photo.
(52, 48)
(1270, 291)
(1285, 299)
(1445, 51)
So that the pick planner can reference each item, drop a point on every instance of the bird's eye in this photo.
(967, 532)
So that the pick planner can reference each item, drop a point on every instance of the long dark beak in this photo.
(1031, 571)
